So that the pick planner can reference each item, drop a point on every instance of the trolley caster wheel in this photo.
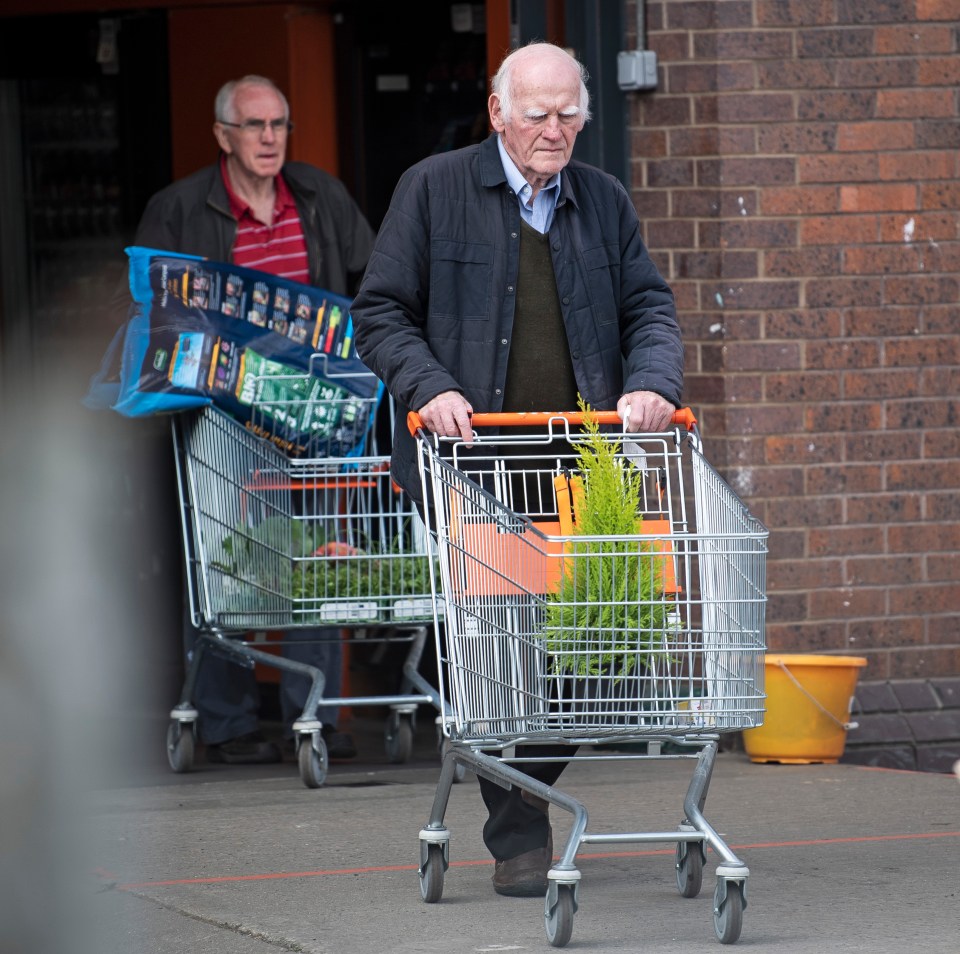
(431, 875)
(689, 868)
(459, 770)
(180, 746)
(398, 739)
(558, 920)
(312, 760)
(728, 905)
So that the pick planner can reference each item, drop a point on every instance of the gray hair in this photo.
(223, 108)
(502, 83)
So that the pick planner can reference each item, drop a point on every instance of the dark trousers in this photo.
(513, 825)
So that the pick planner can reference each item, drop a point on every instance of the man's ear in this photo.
(496, 116)
(220, 134)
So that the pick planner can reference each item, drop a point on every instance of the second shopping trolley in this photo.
(276, 541)
(647, 639)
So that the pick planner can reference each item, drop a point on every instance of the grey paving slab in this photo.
(842, 858)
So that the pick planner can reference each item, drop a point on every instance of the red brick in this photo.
(886, 632)
(841, 106)
(937, 382)
(794, 13)
(804, 324)
(856, 167)
(948, 10)
(835, 478)
(819, 636)
(790, 263)
(802, 449)
(937, 133)
(648, 144)
(883, 508)
(925, 475)
(785, 606)
(883, 384)
(850, 417)
(839, 229)
(913, 166)
(845, 603)
(796, 74)
(792, 138)
(927, 289)
(881, 571)
(815, 386)
(909, 103)
(918, 227)
(912, 39)
(940, 195)
(805, 574)
(670, 233)
(921, 351)
(884, 259)
(875, 136)
(923, 414)
(878, 198)
(839, 42)
(670, 173)
(868, 444)
(843, 354)
(944, 567)
(752, 295)
(877, 11)
(845, 541)
(939, 71)
(886, 323)
(927, 600)
(665, 111)
(743, 45)
(913, 663)
(827, 293)
(801, 200)
(763, 420)
(876, 73)
(752, 171)
(769, 483)
(758, 107)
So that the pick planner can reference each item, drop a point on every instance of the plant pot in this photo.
(808, 705)
(602, 701)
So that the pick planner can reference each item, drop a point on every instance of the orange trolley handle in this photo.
(684, 417)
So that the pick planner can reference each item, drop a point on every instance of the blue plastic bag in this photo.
(275, 355)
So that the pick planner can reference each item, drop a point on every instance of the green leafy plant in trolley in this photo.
(606, 615)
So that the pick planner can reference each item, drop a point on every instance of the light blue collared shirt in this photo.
(539, 213)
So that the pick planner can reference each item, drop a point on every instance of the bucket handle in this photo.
(843, 725)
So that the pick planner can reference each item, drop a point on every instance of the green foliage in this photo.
(292, 558)
(608, 614)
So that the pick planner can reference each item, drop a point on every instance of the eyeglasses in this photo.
(257, 127)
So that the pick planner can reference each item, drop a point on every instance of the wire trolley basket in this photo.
(554, 634)
(277, 542)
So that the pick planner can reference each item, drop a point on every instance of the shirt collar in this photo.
(238, 207)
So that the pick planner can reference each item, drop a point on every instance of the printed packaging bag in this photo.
(276, 355)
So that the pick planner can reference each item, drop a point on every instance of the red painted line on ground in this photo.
(386, 869)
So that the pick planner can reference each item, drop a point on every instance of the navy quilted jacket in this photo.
(435, 308)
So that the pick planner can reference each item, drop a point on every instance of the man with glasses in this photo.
(257, 210)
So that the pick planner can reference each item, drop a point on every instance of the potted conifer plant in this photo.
(605, 622)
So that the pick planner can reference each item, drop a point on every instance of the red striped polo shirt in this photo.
(280, 248)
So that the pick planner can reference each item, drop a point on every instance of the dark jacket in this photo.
(435, 309)
(192, 216)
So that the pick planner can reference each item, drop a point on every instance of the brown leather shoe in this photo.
(524, 876)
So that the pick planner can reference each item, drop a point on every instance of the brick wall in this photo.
(798, 174)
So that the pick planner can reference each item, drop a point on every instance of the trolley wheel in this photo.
(398, 739)
(431, 875)
(728, 917)
(559, 920)
(689, 869)
(180, 746)
(312, 760)
(460, 770)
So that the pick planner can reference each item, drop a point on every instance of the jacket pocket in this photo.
(602, 266)
(461, 276)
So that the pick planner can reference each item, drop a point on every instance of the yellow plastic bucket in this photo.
(808, 709)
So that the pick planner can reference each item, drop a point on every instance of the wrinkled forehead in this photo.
(548, 84)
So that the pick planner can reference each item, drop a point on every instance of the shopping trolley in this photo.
(275, 542)
(653, 636)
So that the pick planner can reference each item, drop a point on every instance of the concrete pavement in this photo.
(246, 860)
